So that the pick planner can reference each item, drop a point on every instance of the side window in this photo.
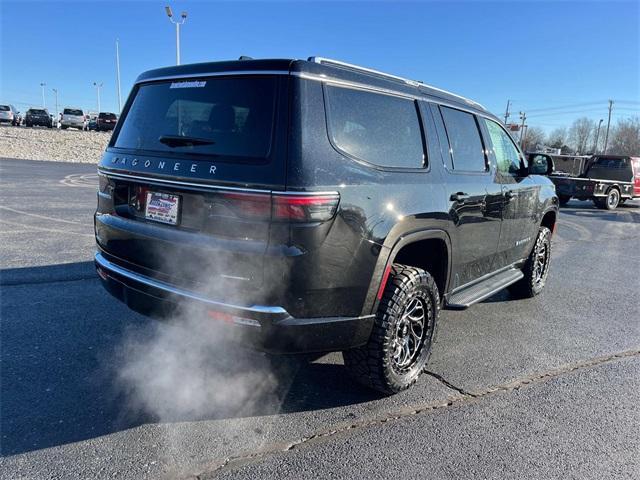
(507, 155)
(380, 129)
(464, 140)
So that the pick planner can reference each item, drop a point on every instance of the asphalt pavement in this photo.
(539, 388)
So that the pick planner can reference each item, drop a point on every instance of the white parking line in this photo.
(43, 229)
(44, 217)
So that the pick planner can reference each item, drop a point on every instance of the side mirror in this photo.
(540, 164)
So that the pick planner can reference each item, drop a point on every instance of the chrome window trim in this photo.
(214, 74)
(387, 91)
(126, 176)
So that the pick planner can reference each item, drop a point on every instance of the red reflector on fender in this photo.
(383, 283)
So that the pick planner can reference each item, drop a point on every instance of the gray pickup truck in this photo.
(607, 180)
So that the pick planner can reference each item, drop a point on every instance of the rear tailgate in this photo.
(218, 146)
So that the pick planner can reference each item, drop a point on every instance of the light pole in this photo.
(98, 87)
(177, 23)
(55, 90)
(42, 85)
(595, 145)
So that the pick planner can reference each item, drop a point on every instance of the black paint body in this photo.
(324, 276)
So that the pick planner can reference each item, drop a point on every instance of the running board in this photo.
(484, 289)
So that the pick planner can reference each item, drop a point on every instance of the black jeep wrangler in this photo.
(317, 206)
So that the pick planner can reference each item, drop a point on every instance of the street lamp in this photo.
(177, 23)
(98, 87)
(42, 85)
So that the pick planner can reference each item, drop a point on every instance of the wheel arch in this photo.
(408, 249)
(549, 219)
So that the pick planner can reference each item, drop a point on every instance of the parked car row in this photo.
(69, 118)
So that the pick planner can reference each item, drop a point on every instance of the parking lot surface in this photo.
(539, 388)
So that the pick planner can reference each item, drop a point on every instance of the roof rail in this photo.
(330, 61)
(415, 83)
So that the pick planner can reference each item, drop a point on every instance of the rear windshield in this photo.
(607, 162)
(37, 112)
(219, 116)
(107, 116)
(4, 108)
(72, 111)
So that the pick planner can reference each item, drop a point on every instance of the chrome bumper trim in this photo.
(251, 312)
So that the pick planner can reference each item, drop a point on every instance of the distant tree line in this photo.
(582, 135)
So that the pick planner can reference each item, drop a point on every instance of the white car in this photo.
(73, 118)
(9, 114)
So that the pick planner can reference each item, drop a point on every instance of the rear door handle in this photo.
(459, 197)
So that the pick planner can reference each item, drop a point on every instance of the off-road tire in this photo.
(530, 285)
(564, 199)
(372, 364)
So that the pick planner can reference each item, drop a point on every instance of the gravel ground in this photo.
(40, 143)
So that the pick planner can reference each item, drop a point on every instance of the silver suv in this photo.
(9, 114)
(74, 118)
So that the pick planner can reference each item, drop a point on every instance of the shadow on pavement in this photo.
(60, 334)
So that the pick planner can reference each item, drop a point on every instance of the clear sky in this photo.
(541, 55)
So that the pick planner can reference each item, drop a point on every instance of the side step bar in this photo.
(479, 291)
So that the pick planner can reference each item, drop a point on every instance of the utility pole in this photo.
(55, 90)
(98, 87)
(183, 17)
(595, 144)
(42, 85)
(606, 136)
(523, 117)
(118, 75)
(506, 113)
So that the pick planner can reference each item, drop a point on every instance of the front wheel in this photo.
(536, 267)
(403, 331)
(564, 199)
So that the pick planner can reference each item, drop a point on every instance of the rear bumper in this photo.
(268, 328)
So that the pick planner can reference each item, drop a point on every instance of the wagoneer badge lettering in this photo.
(162, 164)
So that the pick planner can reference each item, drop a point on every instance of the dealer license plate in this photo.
(162, 207)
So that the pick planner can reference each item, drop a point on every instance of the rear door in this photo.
(473, 195)
(519, 196)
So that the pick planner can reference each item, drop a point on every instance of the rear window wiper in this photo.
(180, 141)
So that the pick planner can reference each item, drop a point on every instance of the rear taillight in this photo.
(304, 207)
(280, 207)
(254, 206)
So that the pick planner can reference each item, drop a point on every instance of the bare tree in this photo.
(557, 138)
(625, 137)
(534, 137)
(580, 134)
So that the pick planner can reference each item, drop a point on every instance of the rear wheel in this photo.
(404, 329)
(613, 199)
(536, 268)
(564, 199)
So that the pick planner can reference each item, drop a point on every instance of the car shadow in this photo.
(61, 381)
(587, 209)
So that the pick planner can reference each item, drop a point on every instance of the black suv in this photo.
(106, 121)
(317, 206)
(38, 116)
